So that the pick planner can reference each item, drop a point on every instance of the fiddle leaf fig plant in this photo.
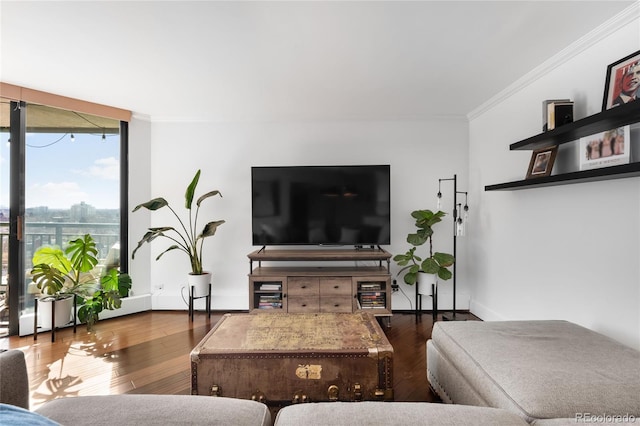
(186, 238)
(412, 264)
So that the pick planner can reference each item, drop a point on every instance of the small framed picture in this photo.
(623, 82)
(610, 148)
(542, 162)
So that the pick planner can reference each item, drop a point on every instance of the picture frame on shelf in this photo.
(622, 84)
(605, 149)
(541, 162)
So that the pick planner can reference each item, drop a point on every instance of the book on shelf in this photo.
(373, 300)
(270, 301)
(270, 297)
(269, 305)
(556, 112)
(370, 286)
(271, 286)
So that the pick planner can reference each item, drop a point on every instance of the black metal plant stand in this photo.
(192, 299)
(53, 318)
(434, 301)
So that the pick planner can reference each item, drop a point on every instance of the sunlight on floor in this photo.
(64, 376)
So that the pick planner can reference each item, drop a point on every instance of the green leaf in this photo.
(411, 278)
(111, 300)
(191, 189)
(444, 273)
(90, 310)
(399, 257)
(173, 247)
(427, 218)
(151, 235)
(425, 233)
(124, 284)
(48, 279)
(82, 253)
(430, 266)
(109, 282)
(416, 239)
(207, 195)
(52, 256)
(155, 204)
(210, 228)
(444, 259)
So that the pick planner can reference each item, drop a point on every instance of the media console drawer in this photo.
(336, 304)
(303, 286)
(335, 286)
(302, 304)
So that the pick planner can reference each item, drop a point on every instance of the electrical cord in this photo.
(405, 295)
(182, 295)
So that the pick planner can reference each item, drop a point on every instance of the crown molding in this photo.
(627, 16)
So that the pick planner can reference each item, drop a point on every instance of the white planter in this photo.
(63, 314)
(199, 284)
(425, 281)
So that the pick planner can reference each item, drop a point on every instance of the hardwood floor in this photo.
(149, 353)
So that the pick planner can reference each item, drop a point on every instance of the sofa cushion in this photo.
(14, 382)
(132, 409)
(542, 369)
(377, 413)
(587, 418)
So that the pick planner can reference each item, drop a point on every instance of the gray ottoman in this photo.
(131, 409)
(374, 413)
(536, 369)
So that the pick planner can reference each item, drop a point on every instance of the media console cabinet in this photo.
(307, 289)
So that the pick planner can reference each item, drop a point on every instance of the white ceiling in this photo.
(287, 61)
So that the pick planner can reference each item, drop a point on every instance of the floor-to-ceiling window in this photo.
(65, 170)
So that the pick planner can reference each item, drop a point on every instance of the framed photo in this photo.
(542, 162)
(623, 82)
(605, 149)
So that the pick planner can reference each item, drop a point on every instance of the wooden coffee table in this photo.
(281, 358)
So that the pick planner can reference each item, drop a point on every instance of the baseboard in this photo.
(130, 305)
(486, 314)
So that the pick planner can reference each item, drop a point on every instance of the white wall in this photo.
(568, 252)
(419, 153)
(139, 189)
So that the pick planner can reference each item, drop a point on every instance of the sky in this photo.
(61, 173)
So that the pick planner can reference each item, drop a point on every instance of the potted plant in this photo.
(187, 238)
(64, 274)
(437, 263)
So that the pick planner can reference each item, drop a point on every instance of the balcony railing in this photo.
(57, 233)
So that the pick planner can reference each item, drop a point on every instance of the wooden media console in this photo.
(309, 289)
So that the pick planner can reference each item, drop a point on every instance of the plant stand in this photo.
(53, 318)
(434, 301)
(192, 298)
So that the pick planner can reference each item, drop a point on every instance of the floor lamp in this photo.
(459, 223)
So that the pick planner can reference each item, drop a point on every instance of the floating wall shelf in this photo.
(606, 120)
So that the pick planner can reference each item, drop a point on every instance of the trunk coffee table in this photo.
(284, 358)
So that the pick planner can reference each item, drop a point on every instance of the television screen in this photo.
(321, 205)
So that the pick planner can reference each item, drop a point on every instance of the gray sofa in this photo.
(373, 413)
(109, 410)
(546, 372)
(203, 410)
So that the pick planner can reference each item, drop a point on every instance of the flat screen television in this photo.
(321, 205)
